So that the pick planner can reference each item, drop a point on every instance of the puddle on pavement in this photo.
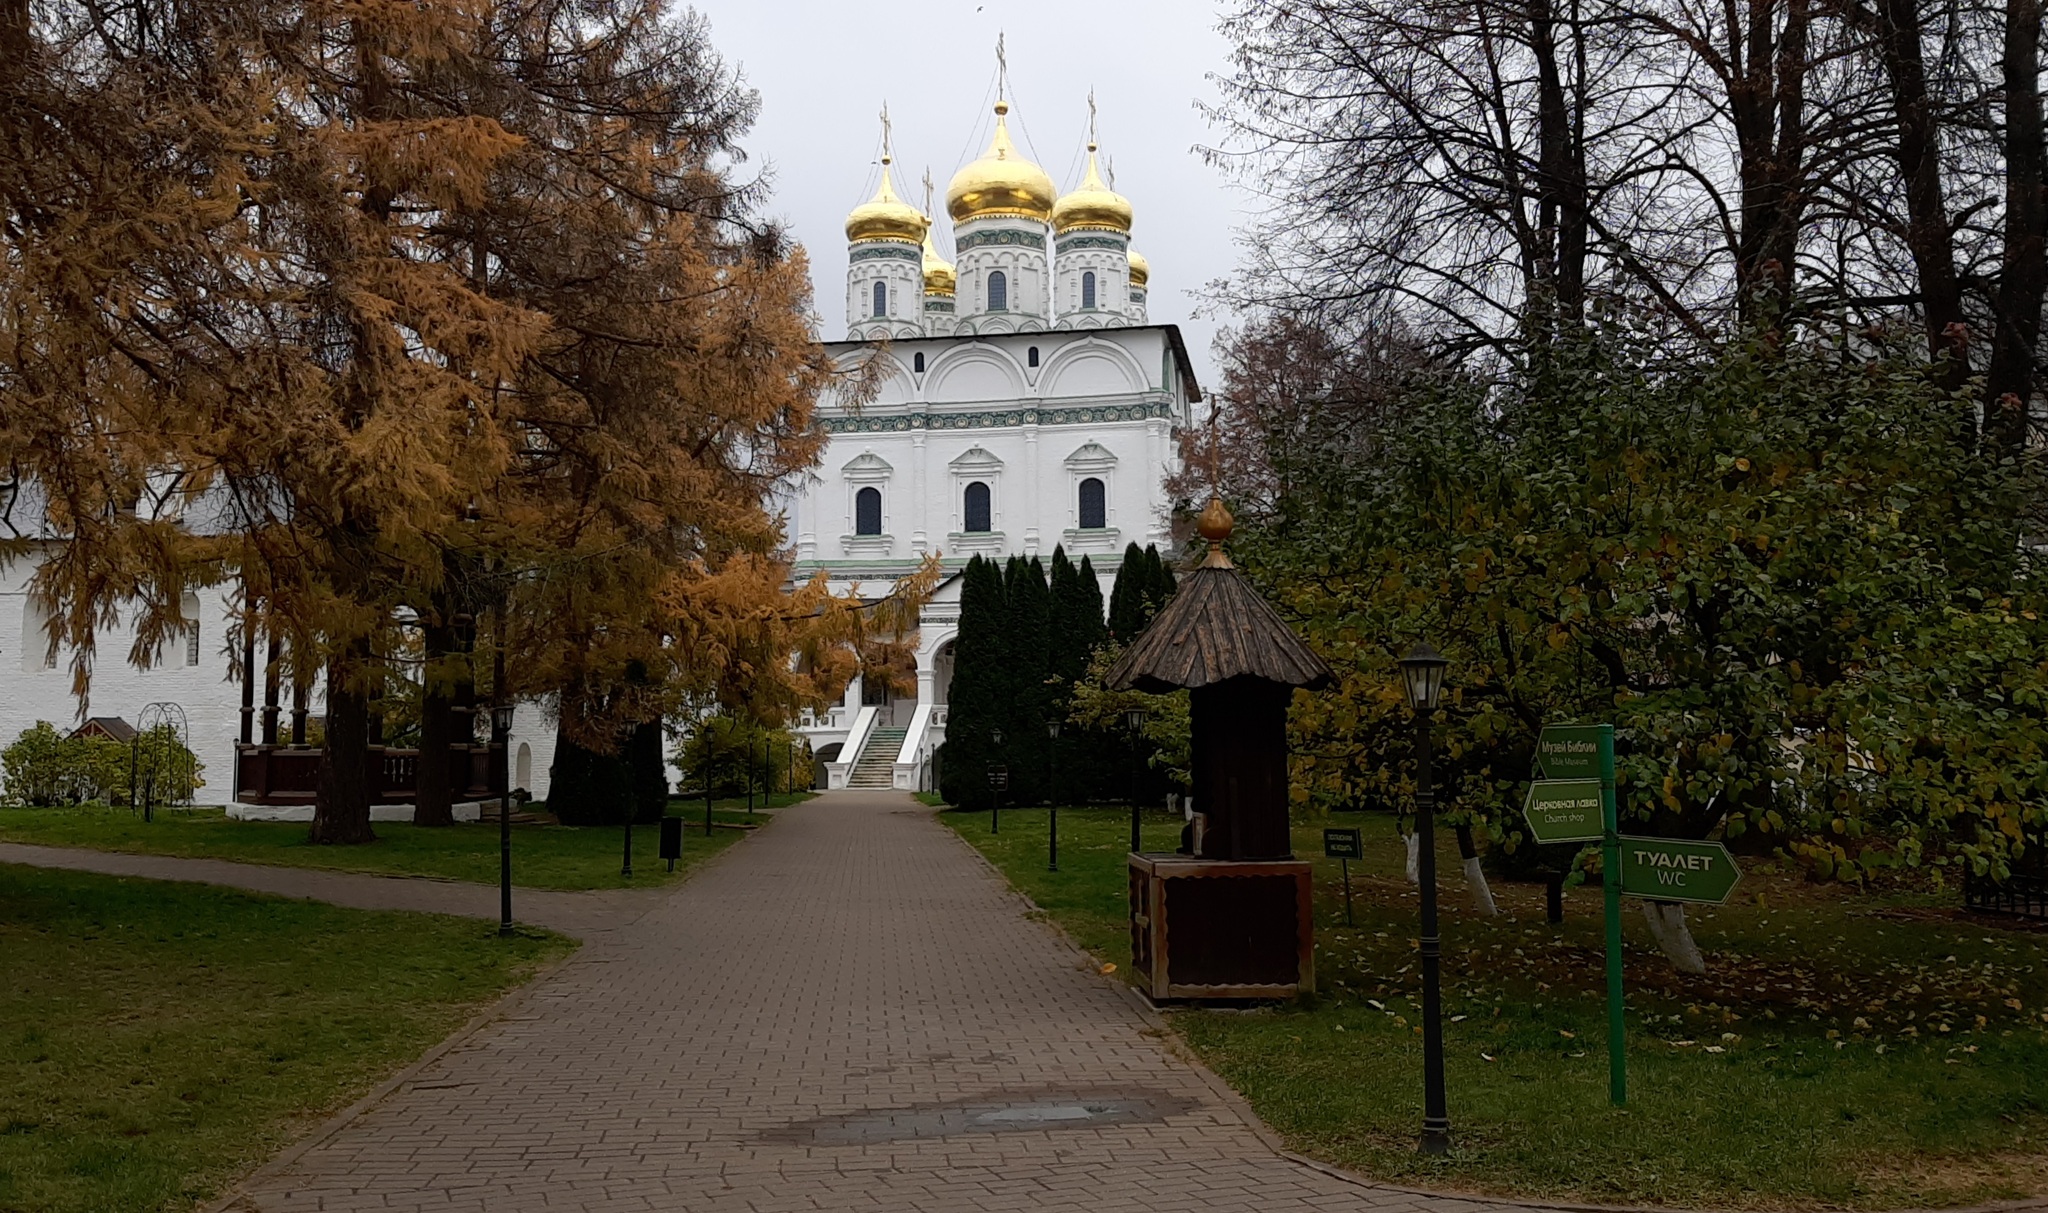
(1007, 1113)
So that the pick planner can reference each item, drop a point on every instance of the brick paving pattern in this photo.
(847, 1011)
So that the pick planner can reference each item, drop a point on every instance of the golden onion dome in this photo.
(1093, 205)
(1141, 269)
(886, 217)
(1001, 182)
(938, 272)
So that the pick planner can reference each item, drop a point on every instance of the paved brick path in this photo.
(579, 914)
(847, 1011)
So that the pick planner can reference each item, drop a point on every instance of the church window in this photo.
(881, 298)
(1094, 509)
(867, 512)
(1088, 289)
(917, 362)
(189, 607)
(977, 509)
(998, 292)
(1031, 356)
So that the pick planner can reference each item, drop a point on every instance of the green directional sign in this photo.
(1674, 869)
(1569, 751)
(1564, 810)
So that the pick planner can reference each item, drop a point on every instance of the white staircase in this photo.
(876, 766)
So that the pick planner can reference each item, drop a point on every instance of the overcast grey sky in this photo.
(825, 67)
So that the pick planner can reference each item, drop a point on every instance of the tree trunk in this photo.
(1414, 841)
(1668, 927)
(2023, 278)
(647, 772)
(1475, 876)
(341, 815)
(434, 799)
(1927, 234)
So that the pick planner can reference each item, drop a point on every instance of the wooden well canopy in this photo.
(1231, 649)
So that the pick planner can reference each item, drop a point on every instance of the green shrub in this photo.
(44, 767)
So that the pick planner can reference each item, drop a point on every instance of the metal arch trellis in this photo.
(160, 758)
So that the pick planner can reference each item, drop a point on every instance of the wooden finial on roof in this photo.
(1215, 525)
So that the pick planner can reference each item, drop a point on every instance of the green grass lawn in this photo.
(543, 856)
(159, 1039)
(1845, 1050)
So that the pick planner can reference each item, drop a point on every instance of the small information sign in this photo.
(999, 778)
(1342, 844)
(1677, 869)
(1564, 810)
(1569, 751)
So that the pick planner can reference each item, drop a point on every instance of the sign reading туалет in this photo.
(1676, 869)
(1569, 751)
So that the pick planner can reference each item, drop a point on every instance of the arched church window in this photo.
(1094, 509)
(976, 509)
(867, 511)
(998, 292)
(1088, 288)
(1031, 356)
(881, 299)
(917, 362)
(189, 608)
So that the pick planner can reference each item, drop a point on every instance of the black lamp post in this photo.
(1052, 792)
(995, 791)
(501, 736)
(1134, 719)
(1422, 679)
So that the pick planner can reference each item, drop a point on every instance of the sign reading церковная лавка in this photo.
(1564, 810)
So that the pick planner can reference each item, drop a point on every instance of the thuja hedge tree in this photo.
(1785, 573)
(1028, 647)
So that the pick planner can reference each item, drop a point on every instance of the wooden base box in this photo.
(1221, 929)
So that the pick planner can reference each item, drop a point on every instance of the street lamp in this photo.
(501, 736)
(1052, 792)
(1134, 719)
(998, 775)
(1422, 679)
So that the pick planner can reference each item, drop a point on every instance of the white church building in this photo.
(1025, 402)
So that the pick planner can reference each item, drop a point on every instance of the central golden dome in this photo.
(1094, 205)
(886, 217)
(1001, 182)
(938, 272)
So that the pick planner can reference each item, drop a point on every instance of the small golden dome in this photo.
(938, 272)
(1001, 182)
(1094, 205)
(1141, 269)
(886, 217)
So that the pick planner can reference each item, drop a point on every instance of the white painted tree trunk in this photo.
(1668, 927)
(1414, 858)
(1482, 893)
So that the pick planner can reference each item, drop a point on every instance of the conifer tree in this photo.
(1127, 595)
(975, 697)
(1031, 699)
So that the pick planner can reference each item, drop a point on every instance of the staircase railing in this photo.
(837, 772)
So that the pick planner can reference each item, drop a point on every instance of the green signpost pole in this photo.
(1610, 883)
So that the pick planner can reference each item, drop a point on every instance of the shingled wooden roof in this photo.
(1216, 627)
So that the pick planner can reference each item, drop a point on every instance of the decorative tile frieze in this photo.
(995, 418)
(1068, 244)
(999, 237)
(883, 250)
